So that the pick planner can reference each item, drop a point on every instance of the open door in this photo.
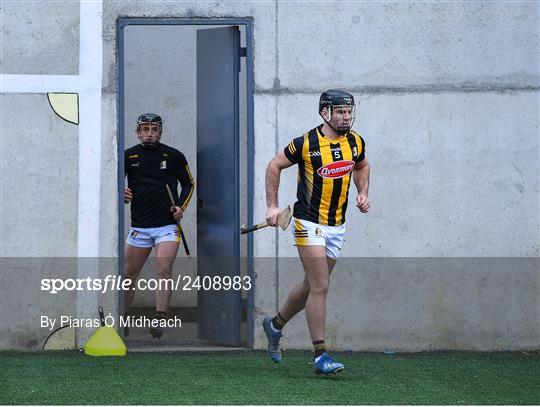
(218, 213)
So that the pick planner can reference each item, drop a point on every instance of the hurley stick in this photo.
(284, 218)
(178, 221)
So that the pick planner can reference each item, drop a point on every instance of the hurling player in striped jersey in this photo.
(328, 156)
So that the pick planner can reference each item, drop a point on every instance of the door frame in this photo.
(247, 22)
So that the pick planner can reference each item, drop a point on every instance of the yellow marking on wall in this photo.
(65, 105)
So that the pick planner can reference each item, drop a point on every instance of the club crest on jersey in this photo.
(163, 165)
(336, 169)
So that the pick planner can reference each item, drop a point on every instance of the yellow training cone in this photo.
(105, 341)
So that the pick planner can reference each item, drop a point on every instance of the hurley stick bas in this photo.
(178, 221)
(283, 220)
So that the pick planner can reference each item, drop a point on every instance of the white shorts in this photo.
(307, 233)
(149, 237)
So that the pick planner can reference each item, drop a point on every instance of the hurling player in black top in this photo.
(328, 156)
(150, 166)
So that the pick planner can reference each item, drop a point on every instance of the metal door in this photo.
(218, 243)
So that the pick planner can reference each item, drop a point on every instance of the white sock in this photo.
(273, 329)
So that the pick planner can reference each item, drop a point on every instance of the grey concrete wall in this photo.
(39, 184)
(39, 179)
(448, 105)
(40, 37)
(385, 45)
(409, 304)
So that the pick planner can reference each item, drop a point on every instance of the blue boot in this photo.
(273, 340)
(326, 365)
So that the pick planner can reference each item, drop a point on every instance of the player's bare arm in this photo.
(361, 180)
(273, 172)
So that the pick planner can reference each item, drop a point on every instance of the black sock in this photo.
(126, 327)
(279, 322)
(160, 315)
(319, 348)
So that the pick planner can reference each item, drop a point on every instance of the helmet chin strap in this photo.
(150, 146)
(340, 132)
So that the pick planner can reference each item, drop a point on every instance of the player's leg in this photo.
(296, 300)
(304, 233)
(134, 259)
(324, 364)
(165, 256)
(294, 303)
(318, 276)
(167, 241)
(331, 263)
(318, 267)
(137, 249)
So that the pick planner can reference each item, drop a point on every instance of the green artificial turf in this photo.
(251, 378)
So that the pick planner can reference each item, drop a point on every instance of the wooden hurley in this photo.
(284, 218)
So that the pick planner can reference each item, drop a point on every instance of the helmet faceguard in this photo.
(149, 118)
(337, 109)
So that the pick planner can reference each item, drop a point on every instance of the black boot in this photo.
(157, 332)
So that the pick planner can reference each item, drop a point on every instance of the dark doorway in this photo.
(199, 78)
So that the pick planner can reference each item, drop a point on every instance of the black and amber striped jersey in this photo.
(324, 174)
(148, 170)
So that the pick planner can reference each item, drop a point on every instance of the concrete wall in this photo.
(40, 38)
(40, 191)
(448, 105)
(39, 216)
(39, 172)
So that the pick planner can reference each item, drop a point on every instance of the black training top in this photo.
(148, 170)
